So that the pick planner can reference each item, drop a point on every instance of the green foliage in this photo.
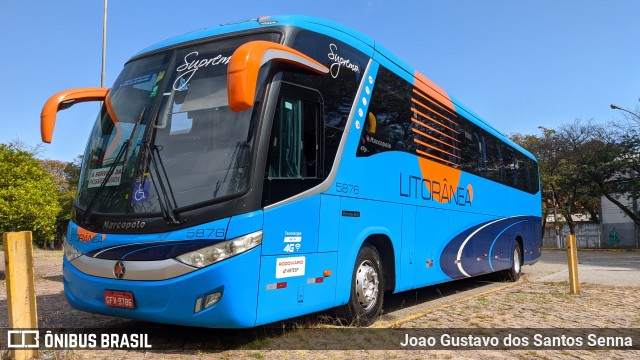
(581, 161)
(66, 176)
(28, 195)
(572, 159)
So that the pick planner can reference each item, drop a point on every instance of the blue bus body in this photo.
(433, 211)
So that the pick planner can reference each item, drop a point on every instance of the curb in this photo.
(399, 322)
(605, 249)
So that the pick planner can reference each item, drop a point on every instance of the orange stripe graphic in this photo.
(432, 138)
(439, 172)
(427, 126)
(434, 103)
(435, 112)
(432, 119)
(434, 148)
(433, 90)
(434, 157)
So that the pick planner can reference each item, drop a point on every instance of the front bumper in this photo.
(172, 301)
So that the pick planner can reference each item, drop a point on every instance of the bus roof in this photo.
(338, 31)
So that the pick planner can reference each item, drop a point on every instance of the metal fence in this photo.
(588, 235)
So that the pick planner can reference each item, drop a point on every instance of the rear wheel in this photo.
(367, 289)
(514, 272)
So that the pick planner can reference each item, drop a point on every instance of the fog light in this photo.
(198, 305)
(211, 299)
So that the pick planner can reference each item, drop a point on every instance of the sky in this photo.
(518, 64)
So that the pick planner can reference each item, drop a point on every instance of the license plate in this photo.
(121, 299)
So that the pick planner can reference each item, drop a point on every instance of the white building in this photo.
(618, 230)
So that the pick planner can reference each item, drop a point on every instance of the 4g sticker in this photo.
(291, 248)
(292, 241)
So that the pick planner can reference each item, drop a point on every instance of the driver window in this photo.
(294, 158)
(293, 146)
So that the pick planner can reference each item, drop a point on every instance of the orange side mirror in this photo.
(64, 100)
(245, 63)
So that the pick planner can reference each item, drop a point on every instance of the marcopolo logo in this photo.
(119, 269)
(123, 225)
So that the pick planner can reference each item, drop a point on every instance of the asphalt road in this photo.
(594, 267)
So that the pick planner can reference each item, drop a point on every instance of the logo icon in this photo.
(119, 270)
(23, 339)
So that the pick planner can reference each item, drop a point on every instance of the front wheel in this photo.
(514, 272)
(367, 289)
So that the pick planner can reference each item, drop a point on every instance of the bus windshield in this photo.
(167, 136)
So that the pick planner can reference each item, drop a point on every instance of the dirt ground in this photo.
(526, 304)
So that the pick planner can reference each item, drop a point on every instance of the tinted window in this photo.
(295, 145)
(495, 167)
(337, 88)
(386, 125)
(403, 118)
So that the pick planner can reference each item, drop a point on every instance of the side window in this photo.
(388, 124)
(523, 167)
(533, 177)
(471, 149)
(495, 167)
(294, 160)
(293, 147)
(338, 87)
(511, 168)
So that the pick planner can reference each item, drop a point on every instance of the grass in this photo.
(258, 344)
(483, 301)
(257, 355)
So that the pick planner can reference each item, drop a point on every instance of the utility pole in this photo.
(104, 43)
(555, 219)
(616, 107)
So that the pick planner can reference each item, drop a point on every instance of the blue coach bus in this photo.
(262, 170)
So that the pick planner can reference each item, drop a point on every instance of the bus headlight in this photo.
(221, 251)
(70, 251)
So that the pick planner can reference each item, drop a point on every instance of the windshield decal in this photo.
(154, 90)
(190, 66)
(97, 176)
(141, 191)
(141, 79)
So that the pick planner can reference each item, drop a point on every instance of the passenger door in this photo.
(293, 166)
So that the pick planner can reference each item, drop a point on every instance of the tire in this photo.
(514, 272)
(367, 289)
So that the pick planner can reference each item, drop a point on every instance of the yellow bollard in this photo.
(572, 254)
(21, 293)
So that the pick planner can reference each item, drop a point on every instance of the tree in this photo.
(563, 156)
(28, 195)
(545, 148)
(575, 191)
(66, 176)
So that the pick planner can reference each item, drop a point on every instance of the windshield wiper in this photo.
(165, 193)
(124, 149)
(88, 211)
